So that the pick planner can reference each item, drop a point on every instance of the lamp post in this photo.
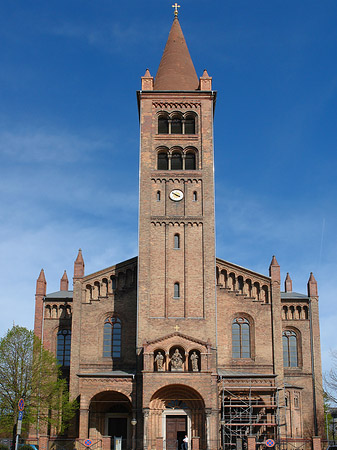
(133, 423)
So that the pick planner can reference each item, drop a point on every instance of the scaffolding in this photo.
(248, 410)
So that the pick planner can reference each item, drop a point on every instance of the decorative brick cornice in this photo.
(180, 105)
(176, 221)
(172, 176)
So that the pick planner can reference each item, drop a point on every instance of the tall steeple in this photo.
(176, 71)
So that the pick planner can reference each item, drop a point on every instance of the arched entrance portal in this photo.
(176, 411)
(110, 415)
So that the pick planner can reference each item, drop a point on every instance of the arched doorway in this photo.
(176, 411)
(110, 414)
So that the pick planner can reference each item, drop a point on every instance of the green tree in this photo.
(29, 371)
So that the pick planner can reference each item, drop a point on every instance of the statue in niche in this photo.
(177, 361)
(194, 362)
(159, 359)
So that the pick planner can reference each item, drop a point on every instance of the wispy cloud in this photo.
(113, 37)
(40, 145)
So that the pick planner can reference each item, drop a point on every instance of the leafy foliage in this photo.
(29, 371)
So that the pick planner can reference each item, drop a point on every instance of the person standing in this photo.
(185, 442)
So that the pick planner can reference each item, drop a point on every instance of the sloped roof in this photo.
(60, 295)
(292, 295)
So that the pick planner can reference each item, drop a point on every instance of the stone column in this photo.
(183, 155)
(84, 423)
(146, 412)
(169, 156)
(167, 361)
(208, 413)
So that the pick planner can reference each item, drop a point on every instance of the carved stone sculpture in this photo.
(159, 359)
(177, 361)
(194, 361)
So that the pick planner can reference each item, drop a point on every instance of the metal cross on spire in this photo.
(176, 6)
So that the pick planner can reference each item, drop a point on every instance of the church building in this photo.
(176, 348)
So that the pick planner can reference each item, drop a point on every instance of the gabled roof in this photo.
(176, 71)
(176, 333)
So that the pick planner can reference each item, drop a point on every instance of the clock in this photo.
(176, 195)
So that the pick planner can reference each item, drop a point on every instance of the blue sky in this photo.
(69, 135)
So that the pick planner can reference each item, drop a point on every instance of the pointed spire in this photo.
(79, 265)
(64, 283)
(274, 270)
(288, 284)
(41, 284)
(176, 71)
(312, 286)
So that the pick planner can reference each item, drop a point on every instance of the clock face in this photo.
(176, 195)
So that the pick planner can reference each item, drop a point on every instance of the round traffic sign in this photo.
(21, 404)
(270, 443)
(88, 442)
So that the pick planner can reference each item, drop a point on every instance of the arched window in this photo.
(176, 293)
(240, 283)
(176, 241)
(176, 161)
(190, 161)
(63, 347)
(158, 196)
(189, 125)
(240, 338)
(162, 161)
(113, 282)
(195, 196)
(176, 126)
(289, 339)
(112, 338)
(163, 126)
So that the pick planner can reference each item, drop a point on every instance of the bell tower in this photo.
(176, 282)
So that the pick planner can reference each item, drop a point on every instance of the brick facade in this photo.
(194, 341)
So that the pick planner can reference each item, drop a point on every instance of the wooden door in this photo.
(175, 432)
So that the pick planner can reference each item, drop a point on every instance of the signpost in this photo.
(21, 407)
(270, 443)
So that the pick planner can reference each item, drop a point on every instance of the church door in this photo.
(176, 428)
(118, 427)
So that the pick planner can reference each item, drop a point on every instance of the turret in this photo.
(147, 81)
(205, 82)
(64, 283)
(274, 270)
(41, 289)
(79, 266)
(288, 284)
(312, 286)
